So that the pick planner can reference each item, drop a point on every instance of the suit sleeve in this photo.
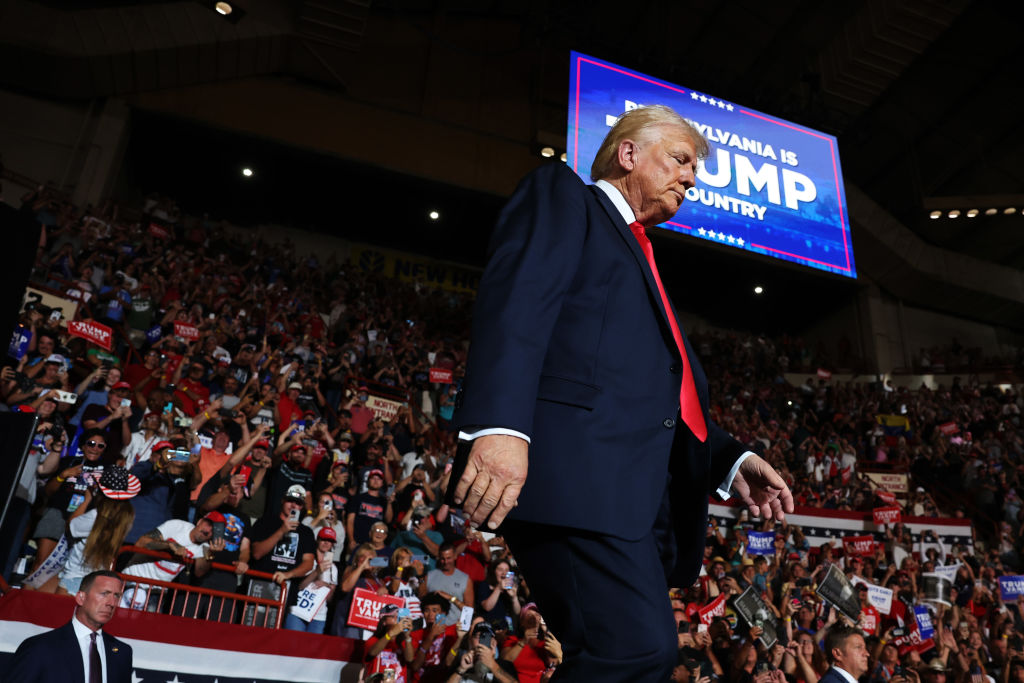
(535, 252)
(725, 451)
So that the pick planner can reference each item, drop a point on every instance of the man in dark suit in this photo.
(847, 654)
(578, 371)
(79, 651)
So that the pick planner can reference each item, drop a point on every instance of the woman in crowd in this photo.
(359, 574)
(97, 534)
(497, 596)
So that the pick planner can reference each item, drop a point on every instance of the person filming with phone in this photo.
(281, 544)
(479, 662)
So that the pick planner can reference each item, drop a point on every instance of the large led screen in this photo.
(769, 186)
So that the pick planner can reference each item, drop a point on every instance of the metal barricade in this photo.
(208, 604)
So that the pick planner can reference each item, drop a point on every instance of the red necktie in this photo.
(689, 404)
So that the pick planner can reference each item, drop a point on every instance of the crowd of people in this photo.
(295, 432)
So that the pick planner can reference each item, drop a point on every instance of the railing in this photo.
(156, 596)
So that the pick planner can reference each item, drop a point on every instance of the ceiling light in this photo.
(247, 172)
(224, 8)
(434, 215)
(971, 213)
(991, 212)
(955, 213)
(564, 157)
(1010, 210)
(935, 214)
(547, 152)
(758, 289)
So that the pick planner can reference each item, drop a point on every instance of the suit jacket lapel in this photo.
(76, 668)
(115, 656)
(634, 247)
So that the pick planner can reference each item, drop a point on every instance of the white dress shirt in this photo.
(629, 216)
(82, 633)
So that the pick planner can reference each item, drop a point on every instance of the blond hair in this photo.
(113, 520)
(636, 124)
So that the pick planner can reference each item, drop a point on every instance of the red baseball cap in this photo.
(122, 385)
(161, 445)
(326, 533)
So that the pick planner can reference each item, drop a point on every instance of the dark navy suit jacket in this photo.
(55, 657)
(571, 346)
(832, 676)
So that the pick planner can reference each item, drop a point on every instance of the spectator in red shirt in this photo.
(390, 646)
(191, 392)
(432, 642)
(288, 409)
(534, 651)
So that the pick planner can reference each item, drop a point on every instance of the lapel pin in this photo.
(114, 649)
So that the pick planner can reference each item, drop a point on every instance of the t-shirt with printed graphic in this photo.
(368, 509)
(388, 658)
(287, 553)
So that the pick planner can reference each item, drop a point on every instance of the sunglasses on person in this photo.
(96, 444)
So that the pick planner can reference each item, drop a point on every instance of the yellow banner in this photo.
(412, 268)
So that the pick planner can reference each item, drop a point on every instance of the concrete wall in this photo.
(77, 145)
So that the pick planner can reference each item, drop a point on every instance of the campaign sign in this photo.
(755, 612)
(885, 496)
(186, 330)
(159, 231)
(760, 543)
(440, 375)
(715, 608)
(365, 610)
(384, 408)
(1010, 587)
(886, 515)
(19, 342)
(153, 334)
(859, 545)
(769, 186)
(98, 334)
(837, 590)
(824, 374)
(924, 621)
(949, 428)
(947, 571)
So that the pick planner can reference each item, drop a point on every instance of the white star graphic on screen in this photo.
(703, 98)
(739, 241)
(729, 107)
(694, 95)
(721, 235)
(732, 240)
(701, 231)
(721, 104)
(711, 101)
(136, 678)
(175, 679)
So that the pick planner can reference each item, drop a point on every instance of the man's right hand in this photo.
(289, 524)
(494, 476)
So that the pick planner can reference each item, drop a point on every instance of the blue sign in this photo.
(770, 186)
(760, 543)
(1010, 587)
(924, 622)
(153, 334)
(19, 342)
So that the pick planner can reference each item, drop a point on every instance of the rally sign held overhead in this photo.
(98, 334)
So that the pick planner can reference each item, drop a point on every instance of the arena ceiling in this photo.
(925, 97)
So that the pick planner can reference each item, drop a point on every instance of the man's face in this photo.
(288, 507)
(665, 167)
(375, 482)
(93, 448)
(202, 532)
(96, 607)
(230, 385)
(45, 346)
(220, 441)
(446, 560)
(853, 656)
(430, 614)
(116, 395)
(297, 456)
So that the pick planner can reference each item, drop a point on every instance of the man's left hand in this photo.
(761, 488)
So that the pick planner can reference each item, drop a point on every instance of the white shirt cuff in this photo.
(469, 436)
(726, 485)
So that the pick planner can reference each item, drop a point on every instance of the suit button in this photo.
(668, 422)
(675, 368)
